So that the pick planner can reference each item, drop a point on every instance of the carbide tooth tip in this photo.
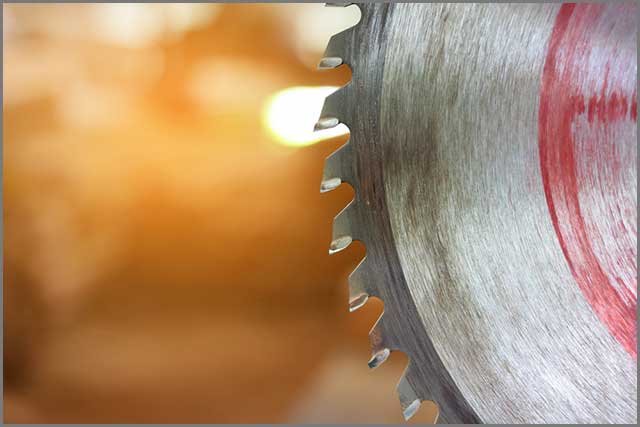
(329, 62)
(330, 184)
(358, 302)
(379, 358)
(339, 244)
(410, 410)
(326, 123)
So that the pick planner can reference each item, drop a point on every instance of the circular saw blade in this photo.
(493, 156)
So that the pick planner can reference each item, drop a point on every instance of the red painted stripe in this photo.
(587, 143)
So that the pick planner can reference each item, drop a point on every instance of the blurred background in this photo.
(165, 242)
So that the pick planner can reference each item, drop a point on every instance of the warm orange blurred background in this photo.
(165, 246)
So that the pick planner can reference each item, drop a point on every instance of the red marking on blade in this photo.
(588, 150)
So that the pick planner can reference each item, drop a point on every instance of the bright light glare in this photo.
(291, 114)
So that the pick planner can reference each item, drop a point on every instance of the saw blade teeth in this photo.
(333, 166)
(329, 62)
(339, 244)
(342, 166)
(409, 400)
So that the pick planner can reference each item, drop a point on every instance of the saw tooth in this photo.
(338, 165)
(409, 400)
(379, 358)
(361, 287)
(410, 410)
(357, 301)
(343, 221)
(339, 244)
(379, 337)
(358, 289)
(330, 184)
(326, 123)
(329, 62)
(381, 343)
(334, 109)
(335, 105)
(337, 46)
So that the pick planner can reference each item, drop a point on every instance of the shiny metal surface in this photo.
(508, 310)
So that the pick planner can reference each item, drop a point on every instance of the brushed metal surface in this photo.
(359, 163)
(444, 110)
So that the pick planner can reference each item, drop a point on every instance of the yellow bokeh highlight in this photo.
(290, 115)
